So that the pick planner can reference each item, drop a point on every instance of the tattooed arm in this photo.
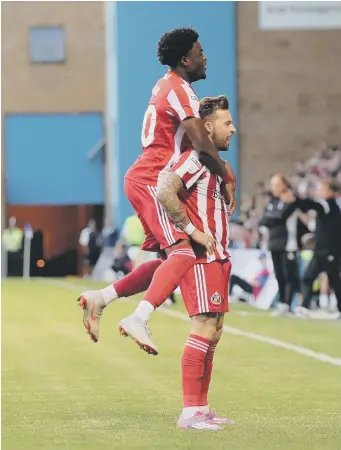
(167, 195)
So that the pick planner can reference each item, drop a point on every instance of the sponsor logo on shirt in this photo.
(195, 166)
(216, 194)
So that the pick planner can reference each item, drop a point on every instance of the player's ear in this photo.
(208, 127)
(183, 61)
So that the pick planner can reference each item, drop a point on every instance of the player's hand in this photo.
(232, 205)
(205, 240)
(229, 197)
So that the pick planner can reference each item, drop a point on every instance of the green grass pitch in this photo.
(61, 391)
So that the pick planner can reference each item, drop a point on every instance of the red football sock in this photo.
(168, 276)
(193, 366)
(207, 374)
(138, 280)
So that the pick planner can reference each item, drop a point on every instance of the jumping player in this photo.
(192, 191)
(170, 124)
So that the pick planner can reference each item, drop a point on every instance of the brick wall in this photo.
(76, 86)
(289, 94)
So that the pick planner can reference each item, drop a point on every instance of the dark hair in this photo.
(208, 105)
(175, 44)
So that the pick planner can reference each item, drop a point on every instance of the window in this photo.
(47, 45)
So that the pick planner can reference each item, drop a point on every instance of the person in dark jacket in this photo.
(280, 217)
(327, 252)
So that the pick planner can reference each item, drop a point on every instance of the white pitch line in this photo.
(258, 337)
(227, 329)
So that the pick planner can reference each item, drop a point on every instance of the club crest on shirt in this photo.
(216, 298)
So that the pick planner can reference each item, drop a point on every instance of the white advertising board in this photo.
(299, 15)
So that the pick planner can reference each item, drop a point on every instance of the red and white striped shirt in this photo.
(163, 137)
(205, 205)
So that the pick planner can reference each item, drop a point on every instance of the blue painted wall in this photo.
(46, 159)
(139, 27)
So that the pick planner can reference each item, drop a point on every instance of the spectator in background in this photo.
(308, 244)
(255, 286)
(246, 205)
(109, 235)
(122, 263)
(325, 162)
(240, 236)
(89, 240)
(133, 236)
(132, 231)
(12, 241)
(327, 252)
(280, 217)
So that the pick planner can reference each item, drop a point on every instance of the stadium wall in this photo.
(71, 87)
(51, 112)
(47, 162)
(135, 30)
(289, 95)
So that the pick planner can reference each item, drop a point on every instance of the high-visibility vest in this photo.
(306, 256)
(133, 231)
(12, 239)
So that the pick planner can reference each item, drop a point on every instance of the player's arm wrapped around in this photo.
(167, 195)
(230, 187)
(208, 153)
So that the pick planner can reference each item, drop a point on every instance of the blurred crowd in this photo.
(119, 248)
(324, 163)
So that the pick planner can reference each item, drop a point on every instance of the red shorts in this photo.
(204, 288)
(158, 228)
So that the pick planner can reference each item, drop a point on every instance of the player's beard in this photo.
(194, 76)
(223, 147)
(197, 75)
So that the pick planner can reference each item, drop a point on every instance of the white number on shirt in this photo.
(147, 135)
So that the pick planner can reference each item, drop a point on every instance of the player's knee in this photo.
(205, 326)
(208, 332)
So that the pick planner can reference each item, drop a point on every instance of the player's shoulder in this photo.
(161, 89)
(190, 157)
(172, 81)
